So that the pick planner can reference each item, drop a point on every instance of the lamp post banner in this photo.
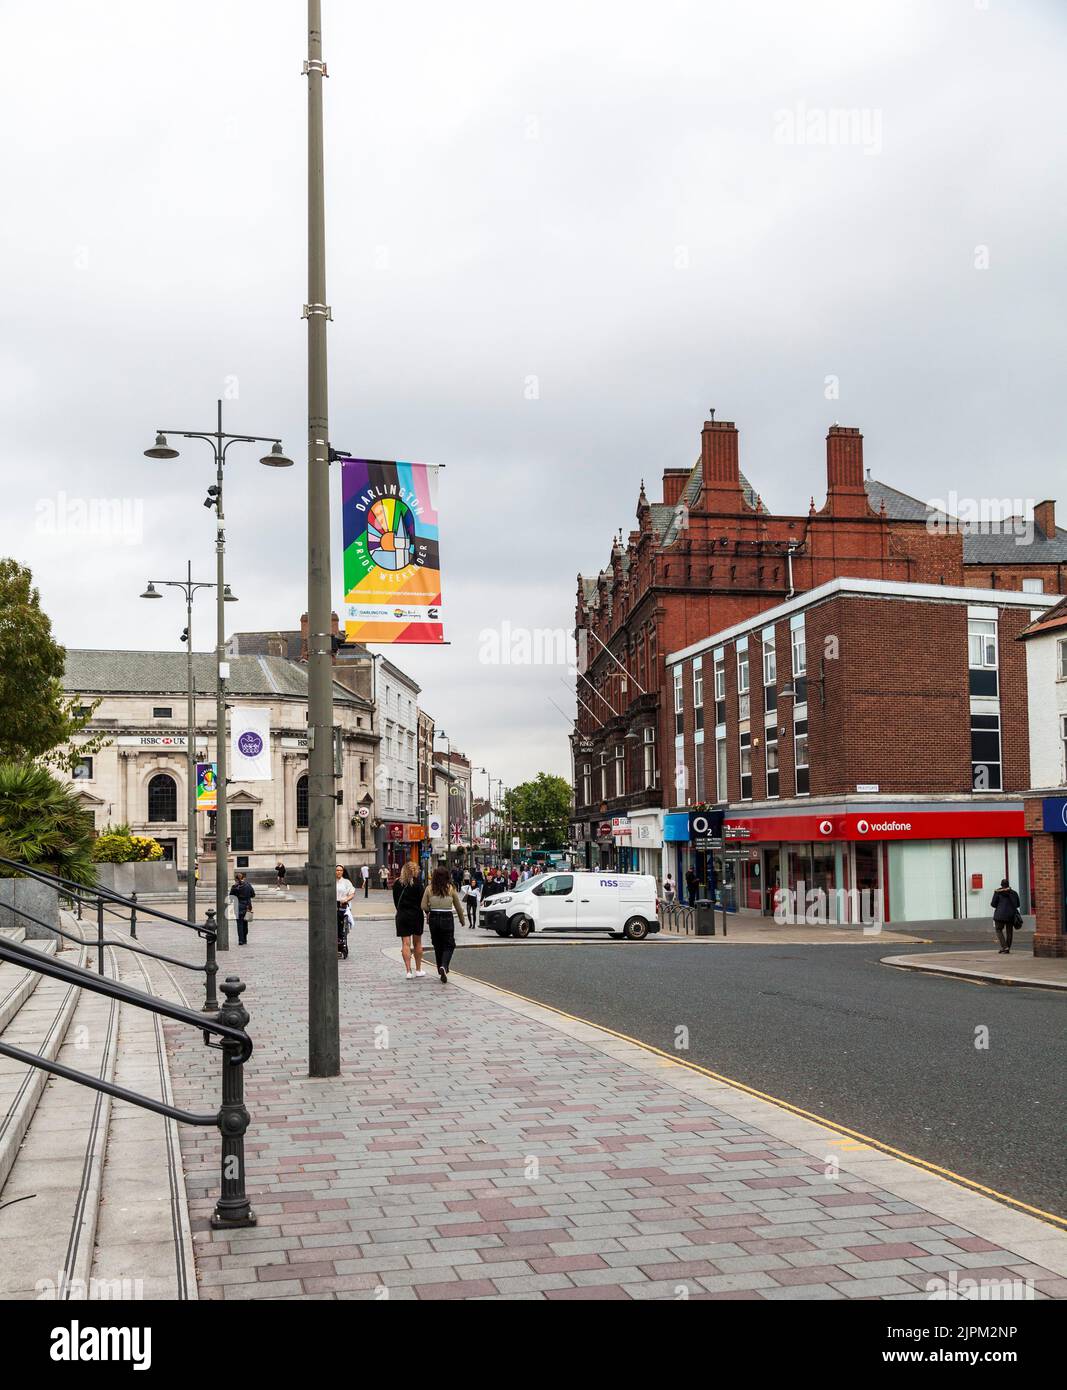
(250, 745)
(392, 552)
(207, 775)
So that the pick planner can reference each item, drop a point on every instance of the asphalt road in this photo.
(888, 1052)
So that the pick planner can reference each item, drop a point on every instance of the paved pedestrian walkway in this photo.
(988, 965)
(480, 1146)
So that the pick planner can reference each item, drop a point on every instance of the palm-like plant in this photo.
(42, 824)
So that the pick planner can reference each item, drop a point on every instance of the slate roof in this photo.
(998, 543)
(91, 672)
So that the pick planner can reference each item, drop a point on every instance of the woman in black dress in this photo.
(410, 919)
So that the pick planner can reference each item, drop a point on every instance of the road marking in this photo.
(866, 1140)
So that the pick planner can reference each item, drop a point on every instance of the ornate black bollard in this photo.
(232, 1208)
(211, 967)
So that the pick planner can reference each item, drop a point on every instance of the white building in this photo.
(139, 777)
(401, 828)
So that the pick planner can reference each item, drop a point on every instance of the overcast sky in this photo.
(557, 234)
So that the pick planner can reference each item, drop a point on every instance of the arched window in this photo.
(162, 799)
(302, 803)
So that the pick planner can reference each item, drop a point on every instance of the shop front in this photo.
(876, 863)
(646, 842)
(403, 842)
(1046, 817)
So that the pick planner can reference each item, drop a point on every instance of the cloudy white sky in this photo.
(603, 197)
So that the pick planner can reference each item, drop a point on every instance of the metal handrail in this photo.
(103, 898)
(229, 1023)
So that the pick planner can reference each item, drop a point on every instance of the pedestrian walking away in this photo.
(442, 904)
(279, 874)
(1006, 915)
(668, 889)
(243, 891)
(407, 899)
(383, 877)
(364, 874)
(346, 891)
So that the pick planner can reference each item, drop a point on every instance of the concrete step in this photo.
(40, 1026)
(52, 1194)
(15, 934)
(17, 983)
(143, 1237)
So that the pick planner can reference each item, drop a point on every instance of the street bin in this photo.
(705, 917)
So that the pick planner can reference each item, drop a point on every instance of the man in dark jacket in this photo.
(1005, 905)
(243, 891)
(692, 883)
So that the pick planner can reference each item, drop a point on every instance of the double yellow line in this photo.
(862, 1140)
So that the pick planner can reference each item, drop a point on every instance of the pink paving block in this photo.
(811, 1274)
(973, 1243)
(457, 1288)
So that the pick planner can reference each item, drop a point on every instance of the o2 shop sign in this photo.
(704, 826)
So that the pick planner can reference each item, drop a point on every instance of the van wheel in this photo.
(521, 926)
(636, 929)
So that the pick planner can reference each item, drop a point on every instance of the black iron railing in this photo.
(228, 1023)
(104, 902)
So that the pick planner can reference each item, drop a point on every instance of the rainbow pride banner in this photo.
(392, 554)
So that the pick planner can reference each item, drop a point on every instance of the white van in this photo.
(575, 902)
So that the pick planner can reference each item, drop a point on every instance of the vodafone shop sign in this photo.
(880, 825)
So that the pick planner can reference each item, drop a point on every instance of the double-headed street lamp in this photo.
(189, 588)
(220, 442)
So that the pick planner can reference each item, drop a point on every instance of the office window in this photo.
(650, 756)
(770, 671)
(720, 687)
(681, 779)
(1061, 659)
(587, 784)
(1033, 586)
(698, 780)
(1063, 749)
(163, 712)
(698, 692)
(83, 770)
(799, 646)
(772, 764)
(742, 678)
(746, 767)
(721, 788)
(982, 656)
(302, 802)
(162, 799)
(620, 769)
(800, 755)
(679, 716)
(603, 777)
(985, 752)
(241, 831)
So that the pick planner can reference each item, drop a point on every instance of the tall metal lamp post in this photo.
(220, 442)
(189, 588)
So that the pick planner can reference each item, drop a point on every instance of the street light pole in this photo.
(220, 442)
(324, 1041)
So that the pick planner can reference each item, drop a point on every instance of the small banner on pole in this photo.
(250, 745)
(392, 552)
(206, 786)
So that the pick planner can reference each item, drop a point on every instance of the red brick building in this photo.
(867, 735)
(709, 555)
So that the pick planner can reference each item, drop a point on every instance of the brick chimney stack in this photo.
(719, 467)
(1045, 516)
(845, 493)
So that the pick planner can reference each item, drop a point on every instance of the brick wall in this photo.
(1049, 938)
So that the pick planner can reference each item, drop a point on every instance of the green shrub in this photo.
(115, 848)
(43, 825)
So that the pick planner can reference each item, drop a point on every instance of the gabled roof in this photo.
(1052, 620)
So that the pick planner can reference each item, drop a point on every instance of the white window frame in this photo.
(1061, 659)
(988, 642)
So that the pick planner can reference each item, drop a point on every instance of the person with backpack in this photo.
(1006, 915)
(442, 903)
(410, 921)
